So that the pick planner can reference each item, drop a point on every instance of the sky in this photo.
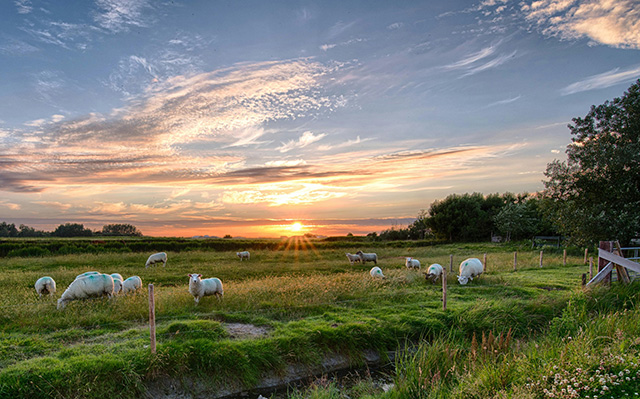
(190, 117)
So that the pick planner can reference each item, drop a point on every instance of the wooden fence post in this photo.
(152, 319)
(484, 263)
(590, 268)
(515, 261)
(586, 251)
(602, 263)
(564, 257)
(584, 279)
(541, 258)
(451, 263)
(444, 290)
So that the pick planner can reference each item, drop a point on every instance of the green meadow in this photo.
(500, 335)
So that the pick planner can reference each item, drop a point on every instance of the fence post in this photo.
(590, 268)
(541, 258)
(484, 263)
(564, 257)
(451, 263)
(152, 319)
(515, 261)
(584, 279)
(586, 251)
(602, 263)
(444, 289)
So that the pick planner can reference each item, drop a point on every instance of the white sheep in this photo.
(132, 284)
(412, 263)
(45, 285)
(93, 285)
(376, 272)
(243, 255)
(200, 288)
(470, 268)
(157, 258)
(434, 272)
(368, 257)
(353, 258)
(117, 282)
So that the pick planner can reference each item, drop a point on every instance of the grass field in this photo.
(309, 301)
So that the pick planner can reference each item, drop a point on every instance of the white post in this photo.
(484, 263)
(541, 258)
(564, 257)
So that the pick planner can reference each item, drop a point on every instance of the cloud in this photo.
(343, 145)
(181, 129)
(503, 102)
(326, 47)
(119, 15)
(612, 23)
(471, 63)
(306, 139)
(23, 6)
(603, 80)
(10, 46)
(395, 26)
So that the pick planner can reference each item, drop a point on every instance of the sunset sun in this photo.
(297, 226)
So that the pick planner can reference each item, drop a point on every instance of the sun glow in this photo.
(297, 226)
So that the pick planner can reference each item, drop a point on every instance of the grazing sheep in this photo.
(157, 258)
(376, 272)
(412, 263)
(368, 257)
(200, 288)
(117, 283)
(93, 285)
(45, 285)
(243, 255)
(353, 258)
(434, 272)
(132, 284)
(469, 268)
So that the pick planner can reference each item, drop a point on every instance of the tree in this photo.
(8, 230)
(72, 230)
(595, 194)
(516, 220)
(121, 230)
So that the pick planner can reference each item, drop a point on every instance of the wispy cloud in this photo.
(345, 144)
(304, 140)
(613, 23)
(326, 47)
(477, 62)
(503, 102)
(120, 15)
(603, 80)
(23, 6)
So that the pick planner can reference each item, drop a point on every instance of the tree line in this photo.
(69, 230)
(592, 196)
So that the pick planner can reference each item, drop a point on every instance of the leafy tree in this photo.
(8, 230)
(595, 194)
(121, 230)
(72, 230)
(26, 231)
(516, 220)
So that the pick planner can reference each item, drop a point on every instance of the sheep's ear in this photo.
(199, 275)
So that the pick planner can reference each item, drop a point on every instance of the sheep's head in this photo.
(463, 279)
(194, 278)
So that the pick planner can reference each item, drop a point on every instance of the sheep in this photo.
(368, 257)
(157, 258)
(243, 255)
(469, 268)
(117, 282)
(376, 272)
(45, 285)
(200, 288)
(434, 272)
(132, 284)
(85, 287)
(412, 263)
(353, 258)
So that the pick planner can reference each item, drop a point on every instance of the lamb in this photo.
(470, 268)
(367, 257)
(200, 288)
(412, 263)
(376, 272)
(157, 258)
(45, 285)
(434, 272)
(132, 284)
(93, 285)
(353, 258)
(117, 282)
(243, 255)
